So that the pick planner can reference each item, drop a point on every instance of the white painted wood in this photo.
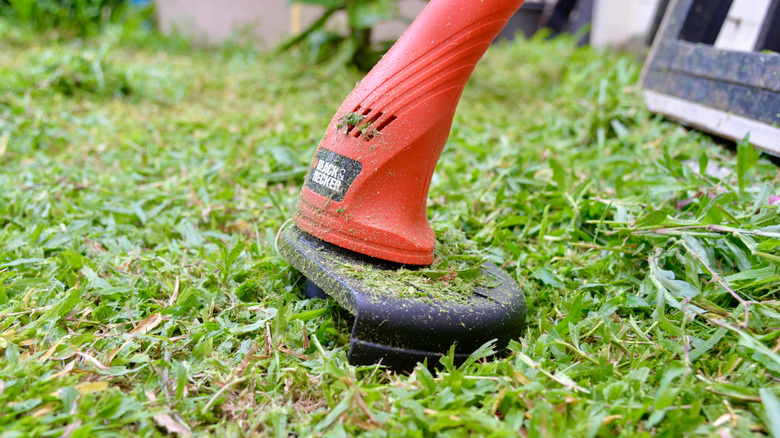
(743, 25)
(618, 23)
(718, 122)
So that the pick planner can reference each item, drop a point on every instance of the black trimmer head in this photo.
(397, 331)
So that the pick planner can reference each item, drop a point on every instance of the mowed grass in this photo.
(143, 183)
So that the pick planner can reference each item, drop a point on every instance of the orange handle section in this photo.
(367, 186)
(440, 49)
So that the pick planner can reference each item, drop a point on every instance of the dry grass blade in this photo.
(167, 422)
(148, 324)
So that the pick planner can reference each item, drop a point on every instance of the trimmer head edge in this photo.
(398, 331)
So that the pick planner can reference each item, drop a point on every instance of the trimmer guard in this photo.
(398, 331)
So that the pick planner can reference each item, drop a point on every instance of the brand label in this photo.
(332, 174)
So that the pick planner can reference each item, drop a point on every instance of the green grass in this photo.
(143, 184)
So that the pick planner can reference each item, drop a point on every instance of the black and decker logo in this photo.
(329, 175)
(332, 174)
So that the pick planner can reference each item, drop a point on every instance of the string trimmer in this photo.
(362, 209)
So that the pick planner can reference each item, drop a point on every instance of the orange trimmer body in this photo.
(367, 187)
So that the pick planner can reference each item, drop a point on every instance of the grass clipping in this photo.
(454, 275)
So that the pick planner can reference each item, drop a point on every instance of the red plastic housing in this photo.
(367, 186)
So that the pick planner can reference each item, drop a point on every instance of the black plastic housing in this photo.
(399, 332)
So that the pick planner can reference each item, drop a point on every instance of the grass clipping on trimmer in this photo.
(454, 275)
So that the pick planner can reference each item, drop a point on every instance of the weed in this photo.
(69, 73)
(76, 17)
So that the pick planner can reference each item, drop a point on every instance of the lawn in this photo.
(144, 182)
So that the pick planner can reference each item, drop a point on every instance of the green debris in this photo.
(454, 275)
(352, 120)
(348, 121)
(368, 133)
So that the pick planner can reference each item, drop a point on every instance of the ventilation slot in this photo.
(357, 110)
(365, 126)
(362, 126)
(384, 124)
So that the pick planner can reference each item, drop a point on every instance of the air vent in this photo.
(359, 124)
(355, 119)
(366, 125)
(384, 124)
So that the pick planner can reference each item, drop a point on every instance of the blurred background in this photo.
(612, 22)
(368, 26)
